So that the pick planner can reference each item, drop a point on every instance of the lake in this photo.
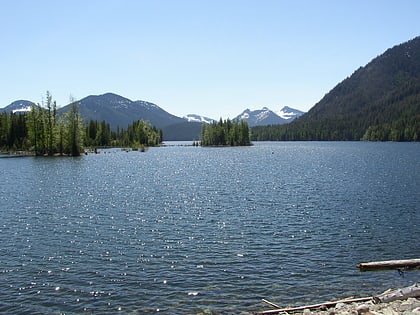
(189, 230)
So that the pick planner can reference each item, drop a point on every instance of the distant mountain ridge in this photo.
(265, 116)
(259, 117)
(119, 112)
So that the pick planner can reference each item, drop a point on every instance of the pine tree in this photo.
(74, 130)
(50, 123)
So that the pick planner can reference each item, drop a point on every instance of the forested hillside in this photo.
(380, 101)
(43, 132)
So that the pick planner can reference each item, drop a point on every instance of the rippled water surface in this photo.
(184, 230)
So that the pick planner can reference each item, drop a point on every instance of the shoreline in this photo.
(410, 306)
(400, 301)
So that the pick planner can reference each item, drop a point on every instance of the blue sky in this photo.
(209, 57)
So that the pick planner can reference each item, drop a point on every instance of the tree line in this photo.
(41, 130)
(226, 133)
(138, 134)
(44, 132)
(349, 112)
(397, 118)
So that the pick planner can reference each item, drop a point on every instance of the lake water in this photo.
(184, 230)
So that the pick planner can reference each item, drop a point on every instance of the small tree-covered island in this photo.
(42, 132)
(226, 133)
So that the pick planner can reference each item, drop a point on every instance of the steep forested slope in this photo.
(380, 101)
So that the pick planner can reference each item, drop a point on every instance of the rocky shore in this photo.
(392, 302)
(411, 306)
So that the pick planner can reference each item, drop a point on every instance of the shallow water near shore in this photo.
(181, 230)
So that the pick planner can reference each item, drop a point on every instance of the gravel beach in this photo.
(400, 301)
(411, 306)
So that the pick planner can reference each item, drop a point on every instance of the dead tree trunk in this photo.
(400, 294)
(390, 264)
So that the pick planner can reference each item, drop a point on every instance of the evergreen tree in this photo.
(17, 136)
(36, 129)
(103, 134)
(74, 130)
(51, 110)
(4, 130)
(61, 136)
(225, 133)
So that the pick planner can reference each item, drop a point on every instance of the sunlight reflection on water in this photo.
(184, 229)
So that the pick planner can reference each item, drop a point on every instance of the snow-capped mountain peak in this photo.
(265, 116)
(198, 118)
(245, 114)
(289, 113)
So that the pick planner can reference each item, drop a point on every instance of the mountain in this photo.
(265, 116)
(198, 118)
(119, 111)
(380, 101)
(289, 113)
(184, 131)
(17, 106)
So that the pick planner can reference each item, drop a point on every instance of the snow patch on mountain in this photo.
(245, 114)
(198, 118)
(147, 105)
(20, 106)
(289, 113)
(24, 109)
(264, 114)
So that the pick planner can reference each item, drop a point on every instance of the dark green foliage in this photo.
(141, 133)
(36, 122)
(138, 134)
(74, 126)
(4, 130)
(380, 101)
(13, 131)
(50, 123)
(226, 133)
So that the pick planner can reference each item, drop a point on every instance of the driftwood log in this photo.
(390, 264)
(400, 294)
(314, 306)
(271, 303)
